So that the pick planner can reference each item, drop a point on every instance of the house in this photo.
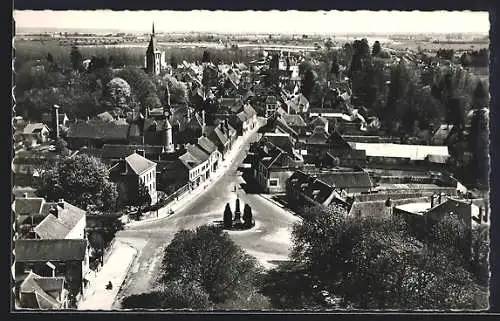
(35, 134)
(42, 293)
(197, 163)
(210, 148)
(305, 190)
(443, 134)
(319, 122)
(28, 165)
(141, 170)
(38, 219)
(281, 140)
(297, 104)
(421, 217)
(277, 124)
(68, 258)
(271, 105)
(347, 181)
(296, 122)
(222, 135)
(245, 120)
(96, 133)
(275, 166)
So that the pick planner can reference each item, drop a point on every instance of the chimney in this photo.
(54, 211)
(203, 117)
(432, 200)
(56, 120)
(481, 217)
(439, 198)
(141, 152)
(60, 203)
(25, 195)
(188, 114)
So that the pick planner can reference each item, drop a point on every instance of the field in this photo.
(430, 46)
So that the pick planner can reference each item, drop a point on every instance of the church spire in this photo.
(153, 28)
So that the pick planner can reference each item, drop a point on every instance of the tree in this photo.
(237, 211)
(328, 44)
(142, 198)
(76, 58)
(228, 217)
(174, 62)
(335, 69)
(62, 147)
(374, 263)
(98, 63)
(247, 216)
(177, 89)
(117, 94)
(82, 181)
(172, 295)
(50, 58)
(143, 88)
(206, 56)
(308, 82)
(209, 258)
(376, 48)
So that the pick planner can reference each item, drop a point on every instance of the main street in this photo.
(268, 241)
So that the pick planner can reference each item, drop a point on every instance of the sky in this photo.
(296, 22)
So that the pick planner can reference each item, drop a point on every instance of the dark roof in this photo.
(271, 100)
(442, 134)
(30, 205)
(283, 141)
(197, 152)
(50, 250)
(319, 121)
(35, 292)
(112, 151)
(98, 130)
(153, 45)
(189, 160)
(207, 145)
(341, 179)
(319, 136)
(138, 163)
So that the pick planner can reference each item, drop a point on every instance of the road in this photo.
(268, 241)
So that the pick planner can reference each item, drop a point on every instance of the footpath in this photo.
(188, 197)
(115, 269)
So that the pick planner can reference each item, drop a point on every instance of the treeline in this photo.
(29, 51)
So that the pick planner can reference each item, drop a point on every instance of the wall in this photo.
(282, 176)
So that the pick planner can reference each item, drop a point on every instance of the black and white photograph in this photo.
(250, 161)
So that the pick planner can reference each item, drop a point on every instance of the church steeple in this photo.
(153, 33)
(153, 55)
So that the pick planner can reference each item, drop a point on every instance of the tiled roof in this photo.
(50, 250)
(138, 163)
(34, 290)
(206, 144)
(294, 120)
(319, 121)
(112, 151)
(70, 215)
(30, 205)
(189, 160)
(197, 152)
(342, 179)
(51, 228)
(283, 141)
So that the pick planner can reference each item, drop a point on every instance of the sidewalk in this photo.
(189, 196)
(115, 270)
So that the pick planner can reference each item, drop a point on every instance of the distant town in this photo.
(250, 172)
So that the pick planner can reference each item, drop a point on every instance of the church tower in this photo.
(153, 55)
(168, 143)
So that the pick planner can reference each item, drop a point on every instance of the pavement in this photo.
(115, 269)
(268, 241)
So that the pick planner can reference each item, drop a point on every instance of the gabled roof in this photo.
(346, 180)
(197, 152)
(319, 121)
(35, 292)
(189, 160)
(70, 215)
(51, 228)
(299, 103)
(206, 144)
(50, 250)
(319, 136)
(138, 163)
(34, 128)
(249, 111)
(294, 120)
(283, 141)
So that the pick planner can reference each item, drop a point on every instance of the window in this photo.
(273, 182)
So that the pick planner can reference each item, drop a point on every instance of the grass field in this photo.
(415, 45)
